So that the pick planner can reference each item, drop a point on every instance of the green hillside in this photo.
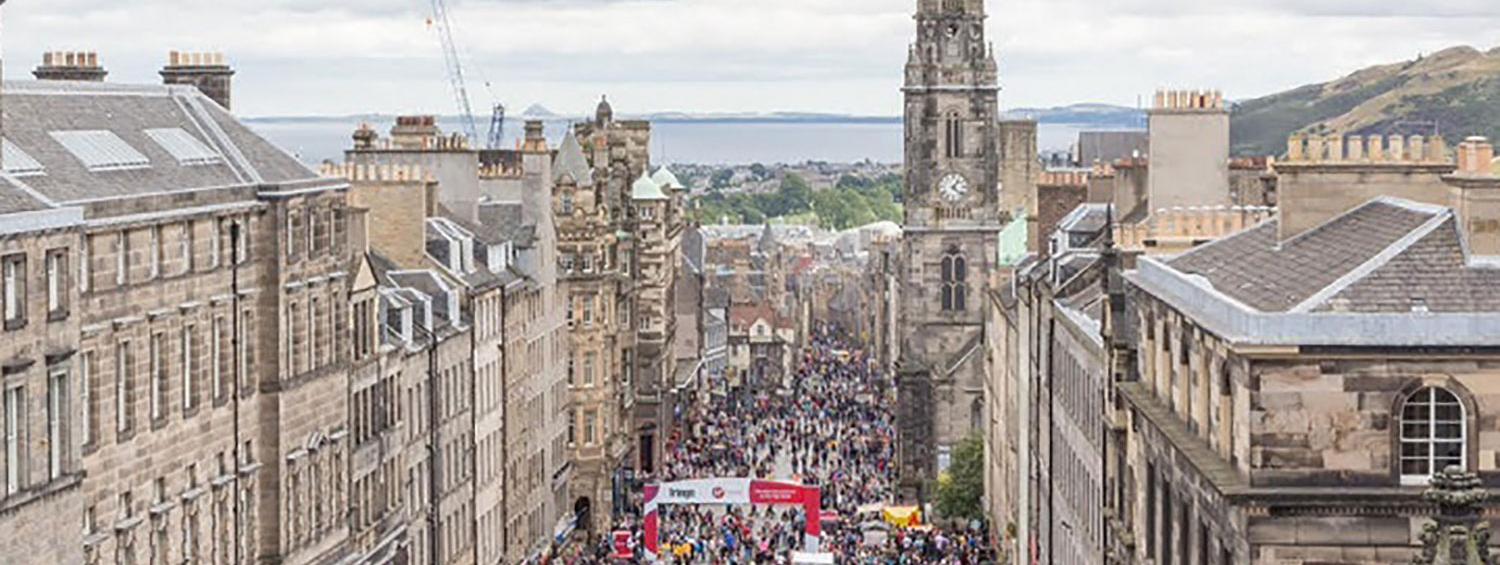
(1455, 92)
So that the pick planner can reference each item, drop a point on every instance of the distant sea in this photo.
(314, 140)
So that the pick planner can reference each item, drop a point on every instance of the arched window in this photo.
(1433, 435)
(955, 274)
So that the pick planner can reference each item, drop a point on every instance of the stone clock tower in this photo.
(954, 214)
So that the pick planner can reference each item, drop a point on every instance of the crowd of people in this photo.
(829, 425)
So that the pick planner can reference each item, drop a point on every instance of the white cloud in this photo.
(350, 56)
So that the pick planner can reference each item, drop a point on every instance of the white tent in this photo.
(804, 558)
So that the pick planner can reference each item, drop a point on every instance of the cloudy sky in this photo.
(309, 57)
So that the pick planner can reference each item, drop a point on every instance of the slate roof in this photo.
(33, 110)
(1387, 256)
(570, 162)
(14, 199)
(503, 221)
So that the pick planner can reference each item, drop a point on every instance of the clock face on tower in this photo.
(953, 188)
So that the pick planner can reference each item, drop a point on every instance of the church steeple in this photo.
(950, 48)
(950, 7)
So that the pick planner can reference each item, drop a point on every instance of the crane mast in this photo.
(455, 69)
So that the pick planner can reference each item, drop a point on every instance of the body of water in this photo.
(703, 142)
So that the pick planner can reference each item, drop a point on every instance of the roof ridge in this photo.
(1375, 262)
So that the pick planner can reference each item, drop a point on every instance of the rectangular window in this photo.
(124, 367)
(293, 231)
(57, 290)
(215, 243)
(590, 421)
(245, 353)
(185, 247)
(312, 232)
(158, 376)
(15, 450)
(216, 357)
(588, 368)
(1151, 539)
(13, 279)
(188, 351)
(85, 263)
(57, 421)
(242, 242)
(122, 259)
(86, 395)
(154, 253)
(314, 357)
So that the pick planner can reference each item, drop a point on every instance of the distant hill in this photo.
(1455, 92)
(538, 111)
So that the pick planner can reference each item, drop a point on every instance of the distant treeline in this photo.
(854, 201)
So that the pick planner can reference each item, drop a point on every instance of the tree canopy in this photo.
(961, 489)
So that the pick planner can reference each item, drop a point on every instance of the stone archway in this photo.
(583, 512)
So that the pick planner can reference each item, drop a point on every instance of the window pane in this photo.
(1448, 450)
(1416, 449)
(1415, 430)
(1448, 412)
(1414, 467)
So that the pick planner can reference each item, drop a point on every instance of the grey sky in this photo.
(300, 57)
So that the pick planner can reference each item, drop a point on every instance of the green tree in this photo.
(961, 487)
(795, 195)
(721, 178)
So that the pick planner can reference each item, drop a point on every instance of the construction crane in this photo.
(455, 68)
(497, 127)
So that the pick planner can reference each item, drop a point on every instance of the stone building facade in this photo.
(206, 276)
(592, 280)
(482, 222)
(1308, 433)
(40, 417)
(179, 287)
(622, 257)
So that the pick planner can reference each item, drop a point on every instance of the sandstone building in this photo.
(482, 223)
(204, 280)
(335, 368)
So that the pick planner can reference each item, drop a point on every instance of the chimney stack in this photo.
(210, 72)
(70, 65)
(1476, 157)
(1475, 196)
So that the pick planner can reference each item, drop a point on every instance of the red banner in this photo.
(622, 545)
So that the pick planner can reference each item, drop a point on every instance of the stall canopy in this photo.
(903, 516)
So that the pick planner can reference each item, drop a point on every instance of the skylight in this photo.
(17, 162)
(184, 147)
(101, 150)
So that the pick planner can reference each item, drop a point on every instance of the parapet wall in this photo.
(1063, 178)
(377, 173)
(1174, 230)
(1372, 149)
